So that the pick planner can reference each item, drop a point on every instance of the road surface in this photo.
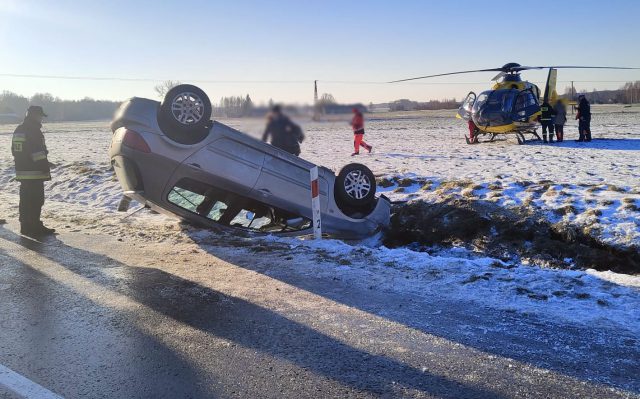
(86, 315)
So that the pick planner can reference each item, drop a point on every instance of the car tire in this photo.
(355, 188)
(185, 114)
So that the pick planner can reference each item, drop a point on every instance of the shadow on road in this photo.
(522, 337)
(249, 325)
(50, 333)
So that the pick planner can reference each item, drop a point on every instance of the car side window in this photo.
(233, 210)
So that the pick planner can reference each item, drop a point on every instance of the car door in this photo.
(285, 182)
(227, 162)
(464, 112)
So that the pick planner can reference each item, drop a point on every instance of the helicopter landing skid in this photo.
(476, 137)
(521, 138)
(471, 141)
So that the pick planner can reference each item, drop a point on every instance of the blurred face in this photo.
(38, 118)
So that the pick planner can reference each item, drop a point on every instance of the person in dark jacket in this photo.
(357, 124)
(546, 119)
(560, 120)
(284, 134)
(32, 170)
(584, 119)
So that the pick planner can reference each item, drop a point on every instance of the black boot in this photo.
(44, 230)
(30, 230)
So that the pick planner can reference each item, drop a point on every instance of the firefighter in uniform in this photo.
(32, 170)
(547, 121)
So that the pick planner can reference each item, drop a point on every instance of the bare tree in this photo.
(165, 86)
(326, 99)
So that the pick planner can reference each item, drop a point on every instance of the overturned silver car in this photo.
(173, 158)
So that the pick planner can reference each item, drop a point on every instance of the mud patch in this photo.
(512, 235)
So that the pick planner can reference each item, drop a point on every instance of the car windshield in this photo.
(229, 209)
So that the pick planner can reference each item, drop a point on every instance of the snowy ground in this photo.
(595, 186)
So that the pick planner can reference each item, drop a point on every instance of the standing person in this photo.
(560, 120)
(32, 170)
(357, 123)
(584, 119)
(284, 134)
(473, 132)
(546, 119)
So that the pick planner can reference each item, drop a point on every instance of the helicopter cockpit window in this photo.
(482, 99)
(508, 99)
(525, 99)
(468, 102)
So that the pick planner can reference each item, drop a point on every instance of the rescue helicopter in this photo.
(512, 106)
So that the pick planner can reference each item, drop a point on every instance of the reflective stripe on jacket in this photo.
(30, 152)
(547, 112)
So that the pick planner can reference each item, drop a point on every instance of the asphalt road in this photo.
(88, 316)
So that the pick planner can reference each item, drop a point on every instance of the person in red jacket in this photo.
(357, 123)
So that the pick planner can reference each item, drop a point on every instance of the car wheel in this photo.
(355, 187)
(185, 113)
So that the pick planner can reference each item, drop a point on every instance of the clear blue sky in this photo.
(302, 41)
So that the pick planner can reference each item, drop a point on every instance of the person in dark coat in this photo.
(584, 119)
(546, 119)
(560, 120)
(283, 133)
(32, 170)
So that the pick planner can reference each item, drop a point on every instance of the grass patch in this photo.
(565, 210)
(454, 184)
(406, 182)
(613, 187)
(593, 212)
(385, 183)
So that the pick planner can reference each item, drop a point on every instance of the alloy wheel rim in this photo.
(187, 108)
(357, 184)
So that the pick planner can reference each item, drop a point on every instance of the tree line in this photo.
(629, 93)
(234, 107)
(13, 107)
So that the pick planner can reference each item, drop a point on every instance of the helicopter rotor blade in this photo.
(447, 74)
(511, 68)
(523, 68)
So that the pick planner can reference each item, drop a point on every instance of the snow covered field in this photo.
(594, 186)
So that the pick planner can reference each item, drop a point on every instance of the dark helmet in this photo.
(276, 109)
(36, 110)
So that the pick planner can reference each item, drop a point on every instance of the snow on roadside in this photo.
(608, 213)
(585, 297)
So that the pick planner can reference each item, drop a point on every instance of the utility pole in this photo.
(316, 111)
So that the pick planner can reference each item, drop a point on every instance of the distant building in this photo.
(403, 105)
(343, 108)
(9, 117)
